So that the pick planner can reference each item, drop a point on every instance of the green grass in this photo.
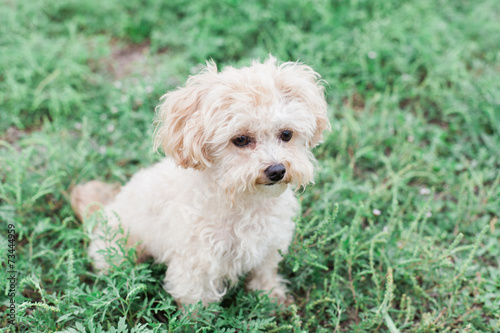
(400, 233)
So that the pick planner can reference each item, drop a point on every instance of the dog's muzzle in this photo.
(275, 172)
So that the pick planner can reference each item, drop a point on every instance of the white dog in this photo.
(221, 205)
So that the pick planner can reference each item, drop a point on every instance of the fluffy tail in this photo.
(90, 197)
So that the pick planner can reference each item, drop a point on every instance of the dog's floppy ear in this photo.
(301, 82)
(180, 123)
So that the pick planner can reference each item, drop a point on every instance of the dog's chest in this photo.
(242, 242)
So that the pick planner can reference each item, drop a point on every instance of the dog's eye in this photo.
(286, 135)
(241, 141)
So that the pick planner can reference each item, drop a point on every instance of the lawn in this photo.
(400, 232)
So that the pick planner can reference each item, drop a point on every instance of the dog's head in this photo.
(251, 128)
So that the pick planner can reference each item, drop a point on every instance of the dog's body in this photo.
(222, 205)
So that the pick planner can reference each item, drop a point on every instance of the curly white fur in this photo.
(209, 211)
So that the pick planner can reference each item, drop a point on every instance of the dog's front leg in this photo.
(266, 278)
(189, 282)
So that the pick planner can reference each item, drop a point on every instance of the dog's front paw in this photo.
(281, 297)
(287, 301)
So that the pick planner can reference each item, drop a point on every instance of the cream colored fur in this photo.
(208, 210)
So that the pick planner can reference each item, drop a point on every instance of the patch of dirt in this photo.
(356, 102)
(13, 134)
(127, 59)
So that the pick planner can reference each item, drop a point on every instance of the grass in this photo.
(400, 233)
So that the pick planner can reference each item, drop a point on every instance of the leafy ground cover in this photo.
(400, 233)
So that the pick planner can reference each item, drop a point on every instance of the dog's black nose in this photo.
(275, 172)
